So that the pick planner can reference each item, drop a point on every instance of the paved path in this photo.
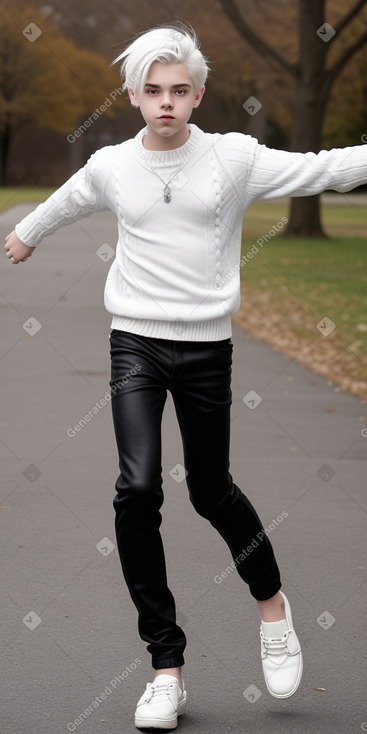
(68, 628)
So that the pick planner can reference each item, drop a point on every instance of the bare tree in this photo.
(313, 79)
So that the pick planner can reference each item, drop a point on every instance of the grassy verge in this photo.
(12, 196)
(290, 285)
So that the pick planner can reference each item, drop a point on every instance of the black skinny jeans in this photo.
(198, 375)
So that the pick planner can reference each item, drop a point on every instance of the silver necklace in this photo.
(167, 191)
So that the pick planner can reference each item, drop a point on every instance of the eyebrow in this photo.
(174, 86)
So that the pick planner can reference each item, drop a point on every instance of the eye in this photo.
(181, 92)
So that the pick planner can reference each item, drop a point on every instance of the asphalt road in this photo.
(69, 639)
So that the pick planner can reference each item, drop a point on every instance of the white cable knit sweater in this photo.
(170, 275)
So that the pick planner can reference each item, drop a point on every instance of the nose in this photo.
(166, 100)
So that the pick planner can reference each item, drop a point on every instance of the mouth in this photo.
(166, 117)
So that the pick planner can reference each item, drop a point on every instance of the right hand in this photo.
(16, 250)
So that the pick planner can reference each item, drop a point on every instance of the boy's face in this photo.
(167, 101)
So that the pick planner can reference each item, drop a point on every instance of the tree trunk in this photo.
(309, 110)
(4, 154)
(304, 219)
(305, 212)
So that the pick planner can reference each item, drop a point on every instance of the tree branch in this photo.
(258, 44)
(349, 16)
(334, 70)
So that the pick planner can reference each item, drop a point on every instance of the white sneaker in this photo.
(281, 655)
(161, 704)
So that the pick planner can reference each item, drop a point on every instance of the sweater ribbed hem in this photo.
(206, 331)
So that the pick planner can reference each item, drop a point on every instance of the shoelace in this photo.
(154, 689)
(276, 645)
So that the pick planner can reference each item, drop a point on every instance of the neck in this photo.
(155, 142)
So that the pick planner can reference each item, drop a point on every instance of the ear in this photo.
(198, 97)
(133, 98)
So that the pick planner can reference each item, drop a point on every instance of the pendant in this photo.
(167, 195)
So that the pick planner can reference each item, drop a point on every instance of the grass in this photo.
(329, 276)
(12, 196)
(294, 283)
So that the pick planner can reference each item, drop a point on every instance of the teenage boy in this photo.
(180, 195)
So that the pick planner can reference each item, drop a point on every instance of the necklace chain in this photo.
(167, 191)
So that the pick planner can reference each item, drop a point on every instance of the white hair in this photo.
(174, 44)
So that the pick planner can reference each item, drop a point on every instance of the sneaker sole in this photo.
(142, 723)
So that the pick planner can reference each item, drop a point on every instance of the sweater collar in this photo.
(164, 158)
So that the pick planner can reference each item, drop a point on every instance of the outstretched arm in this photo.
(278, 173)
(258, 173)
(80, 196)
